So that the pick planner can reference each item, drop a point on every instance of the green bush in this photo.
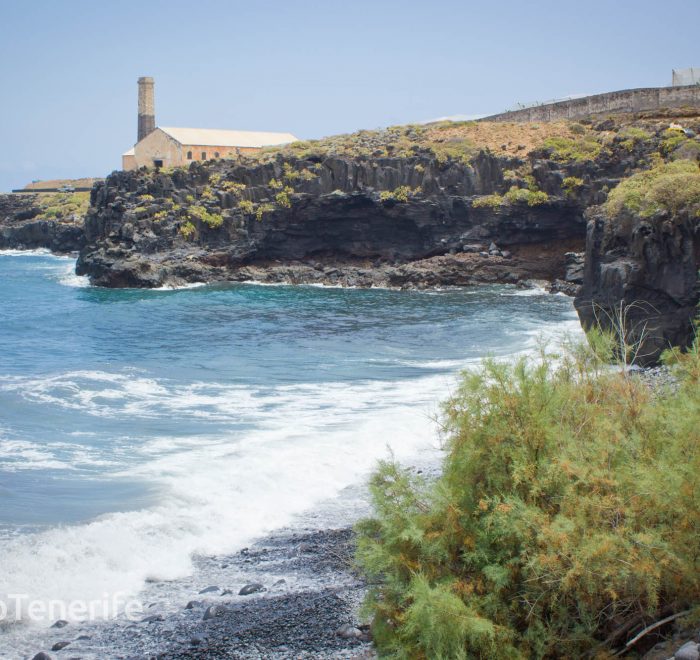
(566, 518)
(579, 149)
(283, 197)
(233, 187)
(671, 187)
(262, 210)
(246, 206)
(188, 230)
(212, 220)
(571, 185)
(400, 194)
(672, 138)
(526, 196)
(487, 201)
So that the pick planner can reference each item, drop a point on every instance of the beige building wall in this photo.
(128, 162)
(158, 148)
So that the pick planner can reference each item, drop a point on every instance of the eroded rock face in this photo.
(21, 227)
(336, 216)
(646, 269)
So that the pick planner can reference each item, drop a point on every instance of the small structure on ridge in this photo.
(174, 147)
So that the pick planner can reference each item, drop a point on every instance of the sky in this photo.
(68, 68)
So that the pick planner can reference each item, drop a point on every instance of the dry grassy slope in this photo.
(464, 139)
(38, 186)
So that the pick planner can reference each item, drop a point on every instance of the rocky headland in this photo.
(445, 204)
(52, 221)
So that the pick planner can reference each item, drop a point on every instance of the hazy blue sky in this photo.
(68, 69)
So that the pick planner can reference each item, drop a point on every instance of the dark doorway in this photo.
(158, 163)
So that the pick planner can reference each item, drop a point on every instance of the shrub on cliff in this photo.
(579, 149)
(212, 220)
(567, 516)
(672, 187)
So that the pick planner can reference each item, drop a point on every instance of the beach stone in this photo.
(689, 651)
(227, 592)
(61, 623)
(212, 612)
(348, 631)
(196, 641)
(279, 584)
(59, 645)
(153, 618)
(253, 588)
(83, 638)
(42, 656)
(209, 590)
(192, 604)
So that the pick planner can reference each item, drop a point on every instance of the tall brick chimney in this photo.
(147, 111)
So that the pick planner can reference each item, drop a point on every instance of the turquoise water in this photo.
(139, 428)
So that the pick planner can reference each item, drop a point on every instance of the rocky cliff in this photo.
(25, 224)
(360, 221)
(641, 276)
(451, 203)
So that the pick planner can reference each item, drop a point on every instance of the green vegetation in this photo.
(671, 139)
(275, 184)
(236, 189)
(400, 194)
(578, 149)
(631, 136)
(188, 230)
(459, 149)
(673, 187)
(571, 185)
(526, 196)
(246, 206)
(488, 201)
(290, 174)
(212, 220)
(208, 194)
(159, 216)
(62, 206)
(529, 196)
(145, 198)
(283, 197)
(567, 515)
(262, 210)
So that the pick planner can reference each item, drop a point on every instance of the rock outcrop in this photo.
(23, 227)
(641, 278)
(344, 213)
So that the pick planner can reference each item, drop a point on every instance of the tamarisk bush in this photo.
(566, 518)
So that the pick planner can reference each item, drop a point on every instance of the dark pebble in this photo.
(209, 590)
(153, 618)
(252, 588)
(213, 611)
(59, 645)
(61, 623)
(192, 604)
(42, 656)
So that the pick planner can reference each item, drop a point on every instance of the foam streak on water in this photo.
(139, 429)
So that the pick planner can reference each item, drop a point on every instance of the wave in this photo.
(219, 492)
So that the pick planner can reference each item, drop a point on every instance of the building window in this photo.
(216, 154)
(158, 163)
(204, 155)
(189, 155)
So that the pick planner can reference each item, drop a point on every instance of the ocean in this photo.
(141, 429)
